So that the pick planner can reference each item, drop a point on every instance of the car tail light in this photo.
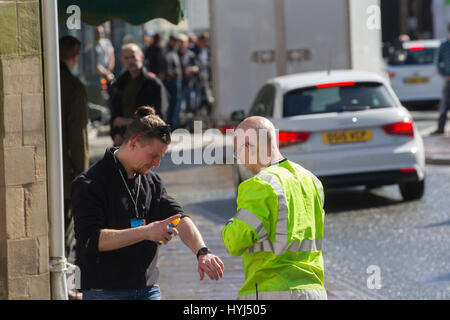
(416, 48)
(336, 84)
(408, 170)
(287, 138)
(391, 74)
(226, 129)
(403, 128)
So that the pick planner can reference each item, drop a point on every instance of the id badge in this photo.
(137, 223)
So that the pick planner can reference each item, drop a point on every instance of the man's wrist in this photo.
(202, 252)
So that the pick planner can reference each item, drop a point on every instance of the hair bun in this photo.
(144, 111)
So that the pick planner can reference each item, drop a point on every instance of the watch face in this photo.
(203, 251)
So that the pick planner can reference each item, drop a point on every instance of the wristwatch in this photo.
(202, 252)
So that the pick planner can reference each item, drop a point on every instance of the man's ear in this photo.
(75, 59)
(132, 143)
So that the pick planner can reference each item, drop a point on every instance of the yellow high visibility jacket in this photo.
(278, 230)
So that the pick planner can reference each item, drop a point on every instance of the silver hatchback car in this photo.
(345, 126)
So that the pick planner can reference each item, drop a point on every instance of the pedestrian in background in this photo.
(204, 95)
(74, 119)
(154, 57)
(148, 39)
(202, 49)
(173, 43)
(104, 54)
(444, 70)
(135, 87)
(192, 39)
(278, 228)
(173, 82)
(190, 69)
(122, 211)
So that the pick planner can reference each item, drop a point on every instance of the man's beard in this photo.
(133, 68)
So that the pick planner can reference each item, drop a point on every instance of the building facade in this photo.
(24, 253)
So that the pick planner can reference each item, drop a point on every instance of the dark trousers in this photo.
(150, 293)
(445, 105)
(173, 114)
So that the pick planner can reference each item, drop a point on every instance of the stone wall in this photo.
(24, 254)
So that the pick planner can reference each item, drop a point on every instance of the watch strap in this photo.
(203, 251)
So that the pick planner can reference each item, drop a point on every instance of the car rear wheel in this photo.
(412, 190)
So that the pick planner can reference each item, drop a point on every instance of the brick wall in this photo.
(24, 254)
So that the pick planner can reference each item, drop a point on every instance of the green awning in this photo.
(96, 12)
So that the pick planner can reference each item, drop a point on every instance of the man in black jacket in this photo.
(122, 211)
(74, 119)
(133, 88)
(154, 57)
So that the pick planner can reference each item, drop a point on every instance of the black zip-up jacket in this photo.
(152, 93)
(100, 200)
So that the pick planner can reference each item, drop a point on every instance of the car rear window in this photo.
(359, 96)
(416, 56)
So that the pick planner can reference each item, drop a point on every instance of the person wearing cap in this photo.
(122, 210)
(278, 227)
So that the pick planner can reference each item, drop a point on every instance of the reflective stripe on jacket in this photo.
(278, 230)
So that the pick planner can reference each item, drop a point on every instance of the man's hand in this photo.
(211, 265)
(159, 230)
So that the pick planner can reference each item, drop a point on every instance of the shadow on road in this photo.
(439, 224)
(218, 211)
(341, 200)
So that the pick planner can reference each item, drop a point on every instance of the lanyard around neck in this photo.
(128, 189)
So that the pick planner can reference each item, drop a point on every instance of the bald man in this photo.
(278, 227)
(135, 87)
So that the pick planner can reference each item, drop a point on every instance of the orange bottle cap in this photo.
(176, 222)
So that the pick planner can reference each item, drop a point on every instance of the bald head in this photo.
(131, 47)
(261, 125)
(132, 58)
(99, 32)
(255, 143)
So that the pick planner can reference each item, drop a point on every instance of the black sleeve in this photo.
(168, 206)
(157, 96)
(89, 215)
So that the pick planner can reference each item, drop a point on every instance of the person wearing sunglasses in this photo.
(122, 211)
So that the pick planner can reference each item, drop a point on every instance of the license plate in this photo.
(347, 136)
(417, 80)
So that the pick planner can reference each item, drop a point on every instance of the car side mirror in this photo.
(238, 115)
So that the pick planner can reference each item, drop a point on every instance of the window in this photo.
(414, 57)
(264, 102)
(312, 100)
